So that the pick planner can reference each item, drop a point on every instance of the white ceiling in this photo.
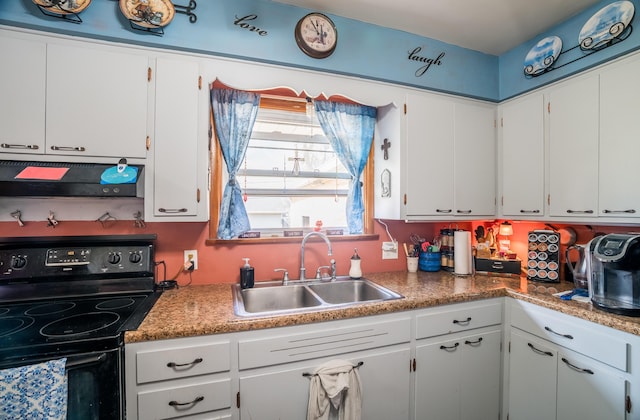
(490, 26)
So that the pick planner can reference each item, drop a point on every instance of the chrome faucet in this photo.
(304, 241)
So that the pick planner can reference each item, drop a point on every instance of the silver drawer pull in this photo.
(529, 211)
(443, 210)
(463, 322)
(570, 337)
(19, 146)
(580, 211)
(179, 404)
(605, 211)
(579, 369)
(450, 348)
(545, 353)
(177, 365)
(163, 210)
(69, 148)
(464, 211)
(473, 343)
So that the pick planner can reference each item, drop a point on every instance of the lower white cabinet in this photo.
(574, 372)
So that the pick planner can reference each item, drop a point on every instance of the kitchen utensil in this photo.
(580, 269)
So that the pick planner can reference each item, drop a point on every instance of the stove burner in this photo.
(115, 303)
(12, 324)
(50, 308)
(79, 324)
(4, 311)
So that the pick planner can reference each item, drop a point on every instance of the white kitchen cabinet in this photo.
(522, 157)
(561, 367)
(619, 148)
(450, 158)
(272, 384)
(179, 377)
(457, 362)
(97, 100)
(178, 188)
(22, 94)
(573, 147)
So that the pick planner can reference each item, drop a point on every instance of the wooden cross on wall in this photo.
(296, 163)
(385, 147)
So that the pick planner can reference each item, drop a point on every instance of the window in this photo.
(291, 177)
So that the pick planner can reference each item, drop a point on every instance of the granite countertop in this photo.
(208, 309)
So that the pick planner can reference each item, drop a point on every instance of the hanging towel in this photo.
(335, 392)
(34, 392)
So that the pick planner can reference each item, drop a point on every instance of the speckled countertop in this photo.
(208, 309)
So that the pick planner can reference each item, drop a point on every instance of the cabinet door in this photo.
(619, 193)
(480, 376)
(522, 157)
(588, 389)
(532, 379)
(573, 148)
(96, 101)
(429, 165)
(175, 147)
(474, 160)
(437, 380)
(284, 394)
(22, 95)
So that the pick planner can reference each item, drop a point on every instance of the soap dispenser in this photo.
(355, 271)
(246, 275)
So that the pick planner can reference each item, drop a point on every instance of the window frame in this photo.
(217, 187)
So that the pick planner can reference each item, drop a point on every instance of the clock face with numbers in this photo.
(316, 35)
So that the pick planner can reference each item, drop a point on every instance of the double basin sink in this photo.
(272, 298)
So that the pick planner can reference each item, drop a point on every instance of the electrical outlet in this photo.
(191, 255)
(389, 250)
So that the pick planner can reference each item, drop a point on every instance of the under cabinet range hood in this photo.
(63, 179)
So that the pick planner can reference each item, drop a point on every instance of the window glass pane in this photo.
(291, 176)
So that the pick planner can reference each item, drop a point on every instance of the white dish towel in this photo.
(35, 392)
(335, 392)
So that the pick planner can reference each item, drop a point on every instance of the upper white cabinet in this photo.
(449, 151)
(619, 191)
(522, 157)
(22, 94)
(573, 148)
(97, 101)
(178, 190)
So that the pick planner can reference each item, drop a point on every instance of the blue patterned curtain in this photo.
(350, 130)
(234, 113)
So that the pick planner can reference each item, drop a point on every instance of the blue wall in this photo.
(512, 79)
(370, 51)
(364, 50)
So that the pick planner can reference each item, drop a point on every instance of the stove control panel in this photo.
(83, 260)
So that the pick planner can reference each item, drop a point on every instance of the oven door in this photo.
(95, 383)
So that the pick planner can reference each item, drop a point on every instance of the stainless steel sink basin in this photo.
(351, 291)
(272, 298)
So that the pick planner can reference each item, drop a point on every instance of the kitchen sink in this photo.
(272, 298)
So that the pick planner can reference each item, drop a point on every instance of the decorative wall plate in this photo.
(542, 55)
(148, 13)
(63, 7)
(606, 25)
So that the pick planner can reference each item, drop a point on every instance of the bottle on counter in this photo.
(246, 275)
(355, 271)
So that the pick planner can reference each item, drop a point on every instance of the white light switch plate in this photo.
(389, 250)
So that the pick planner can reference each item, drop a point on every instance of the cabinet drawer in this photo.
(324, 342)
(180, 362)
(459, 317)
(576, 334)
(185, 400)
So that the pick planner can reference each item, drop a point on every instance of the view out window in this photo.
(291, 177)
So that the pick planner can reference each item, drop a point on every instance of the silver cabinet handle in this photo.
(163, 210)
(450, 348)
(443, 210)
(20, 146)
(529, 211)
(618, 211)
(570, 337)
(580, 211)
(178, 404)
(464, 211)
(175, 365)
(463, 322)
(69, 148)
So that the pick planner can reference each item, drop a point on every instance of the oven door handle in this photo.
(85, 360)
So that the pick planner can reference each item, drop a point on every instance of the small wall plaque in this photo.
(335, 232)
(292, 233)
(249, 235)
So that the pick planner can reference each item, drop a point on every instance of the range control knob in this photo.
(135, 258)
(113, 258)
(18, 262)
